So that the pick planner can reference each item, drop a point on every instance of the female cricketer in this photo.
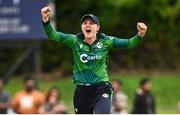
(90, 49)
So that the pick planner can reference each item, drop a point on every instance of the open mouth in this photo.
(88, 30)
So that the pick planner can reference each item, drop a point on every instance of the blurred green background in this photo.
(157, 57)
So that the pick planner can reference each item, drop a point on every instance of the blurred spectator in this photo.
(53, 103)
(5, 100)
(29, 100)
(144, 102)
(119, 103)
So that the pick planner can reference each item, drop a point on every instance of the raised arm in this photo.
(132, 42)
(51, 33)
(49, 29)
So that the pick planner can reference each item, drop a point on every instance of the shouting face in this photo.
(89, 28)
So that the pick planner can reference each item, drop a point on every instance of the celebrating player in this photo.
(90, 51)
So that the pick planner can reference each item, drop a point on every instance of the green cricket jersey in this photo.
(90, 60)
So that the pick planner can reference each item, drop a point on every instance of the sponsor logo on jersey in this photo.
(85, 58)
(99, 45)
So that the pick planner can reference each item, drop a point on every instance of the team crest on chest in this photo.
(99, 45)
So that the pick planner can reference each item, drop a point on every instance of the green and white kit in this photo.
(90, 61)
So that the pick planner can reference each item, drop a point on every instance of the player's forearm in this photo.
(51, 33)
(134, 41)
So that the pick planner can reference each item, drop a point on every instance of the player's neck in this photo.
(90, 40)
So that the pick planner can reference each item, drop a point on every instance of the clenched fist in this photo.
(45, 13)
(142, 28)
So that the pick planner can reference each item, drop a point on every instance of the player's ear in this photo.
(98, 27)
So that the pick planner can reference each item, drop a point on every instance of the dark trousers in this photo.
(96, 98)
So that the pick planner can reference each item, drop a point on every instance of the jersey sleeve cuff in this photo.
(46, 23)
(140, 37)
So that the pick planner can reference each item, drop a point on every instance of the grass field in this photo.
(165, 89)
